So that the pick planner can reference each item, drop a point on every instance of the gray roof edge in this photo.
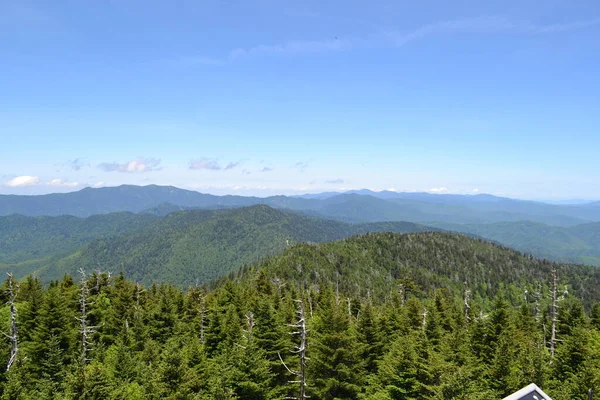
(525, 391)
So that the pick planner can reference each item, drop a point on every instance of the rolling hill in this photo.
(26, 238)
(372, 264)
(183, 247)
(577, 244)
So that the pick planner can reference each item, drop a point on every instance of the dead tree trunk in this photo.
(554, 312)
(467, 306)
(85, 330)
(538, 296)
(202, 316)
(300, 350)
(310, 306)
(12, 335)
(249, 331)
(402, 294)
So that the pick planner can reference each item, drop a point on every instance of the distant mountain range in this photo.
(29, 237)
(183, 247)
(357, 206)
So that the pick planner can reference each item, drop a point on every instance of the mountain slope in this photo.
(580, 243)
(90, 201)
(199, 245)
(372, 264)
(25, 238)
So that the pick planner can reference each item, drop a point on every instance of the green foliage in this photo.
(575, 244)
(385, 321)
(182, 248)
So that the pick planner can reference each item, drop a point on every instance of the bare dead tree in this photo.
(467, 303)
(537, 295)
(279, 283)
(300, 350)
(310, 305)
(138, 293)
(98, 280)
(424, 314)
(13, 334)
(337, 288)
(349, 306)
(202, 316)
(85, 330)
(554, 312)
(249, 326)
(402, 293)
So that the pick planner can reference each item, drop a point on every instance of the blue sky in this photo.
(264, 97)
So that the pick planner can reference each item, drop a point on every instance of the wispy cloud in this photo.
(77, 164)
(300, 165)
(267, 169)
(194, 61)
(483, 25)
(567, 26)
(335, 181)
(231, 165)
(140, 164)
(438, 190)
(62, 183)
(393, 37)
(22, 181)
(212, 164)
(205, 163)
(294, 47)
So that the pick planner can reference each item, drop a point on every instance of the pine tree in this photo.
(405, 371)
(335, 366)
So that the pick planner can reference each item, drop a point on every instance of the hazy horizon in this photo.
(242, 192)
(485, 97)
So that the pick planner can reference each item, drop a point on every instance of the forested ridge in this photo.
(181, 247)
(388, 316)
(45, 245)
(575, 244)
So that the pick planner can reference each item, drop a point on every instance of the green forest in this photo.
(181, 248)
(377, 316)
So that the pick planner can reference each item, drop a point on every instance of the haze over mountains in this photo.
(355, 206)
(153, 231)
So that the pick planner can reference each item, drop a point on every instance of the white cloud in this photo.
(335, 181)
(475, 190)
(61, 183)
(438, 190)
(98, 184)
(140, 164)
(212, 164)
(21, 181)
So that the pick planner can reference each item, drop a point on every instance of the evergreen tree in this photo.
(335, 367)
